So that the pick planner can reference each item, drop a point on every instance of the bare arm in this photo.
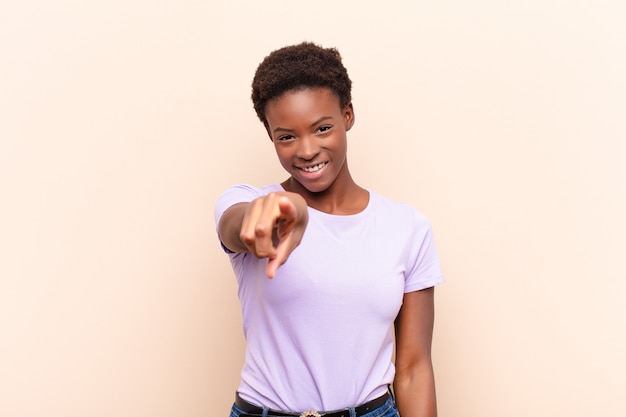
(414, 384)
(252, 227)
(230, 227)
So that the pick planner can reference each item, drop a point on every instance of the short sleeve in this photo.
(424, 269)
(236, 194)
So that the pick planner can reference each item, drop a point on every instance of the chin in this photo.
(317, 189)
(312, 187)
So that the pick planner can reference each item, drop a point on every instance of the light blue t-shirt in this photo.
(319, 335)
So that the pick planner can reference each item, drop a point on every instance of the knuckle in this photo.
(246, 238)
(260, 230)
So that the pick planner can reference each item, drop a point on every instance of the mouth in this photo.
(313, 168)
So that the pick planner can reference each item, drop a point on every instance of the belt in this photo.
(252, 410)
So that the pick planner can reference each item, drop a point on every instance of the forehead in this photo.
(303, 104)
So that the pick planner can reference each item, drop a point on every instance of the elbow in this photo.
(408, 374)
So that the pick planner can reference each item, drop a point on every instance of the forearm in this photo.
(415, 391)
(230, 227)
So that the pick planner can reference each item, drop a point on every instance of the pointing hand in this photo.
(273, 227)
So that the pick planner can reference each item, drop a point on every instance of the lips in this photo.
(313, 168)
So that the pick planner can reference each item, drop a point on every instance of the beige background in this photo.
(122, 121)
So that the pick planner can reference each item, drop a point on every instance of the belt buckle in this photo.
(310, 413)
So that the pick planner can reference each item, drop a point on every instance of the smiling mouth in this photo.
(314, 168)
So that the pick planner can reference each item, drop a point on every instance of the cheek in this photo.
(284, 157)
(342, 146)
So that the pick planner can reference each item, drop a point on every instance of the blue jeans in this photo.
(386, 410)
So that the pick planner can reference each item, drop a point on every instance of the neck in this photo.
(343, 197)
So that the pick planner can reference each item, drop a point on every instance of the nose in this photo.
(308, 147)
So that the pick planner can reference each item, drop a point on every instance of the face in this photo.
(308, 128)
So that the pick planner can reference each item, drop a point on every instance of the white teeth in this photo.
(314, 168)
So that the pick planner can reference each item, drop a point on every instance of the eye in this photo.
(324, 128)
(284, 138)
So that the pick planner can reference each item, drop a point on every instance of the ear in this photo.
(348, 116)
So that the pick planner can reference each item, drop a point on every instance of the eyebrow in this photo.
(318, 121)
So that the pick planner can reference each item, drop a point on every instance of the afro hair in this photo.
(297, 67)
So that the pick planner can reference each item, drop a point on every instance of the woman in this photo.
(344, 263)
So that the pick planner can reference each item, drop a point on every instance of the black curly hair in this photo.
(295, 67)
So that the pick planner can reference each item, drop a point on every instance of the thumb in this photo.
(287, 208)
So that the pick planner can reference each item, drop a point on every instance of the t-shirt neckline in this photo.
(320, 213)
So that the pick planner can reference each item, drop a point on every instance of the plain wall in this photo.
(122, 121)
